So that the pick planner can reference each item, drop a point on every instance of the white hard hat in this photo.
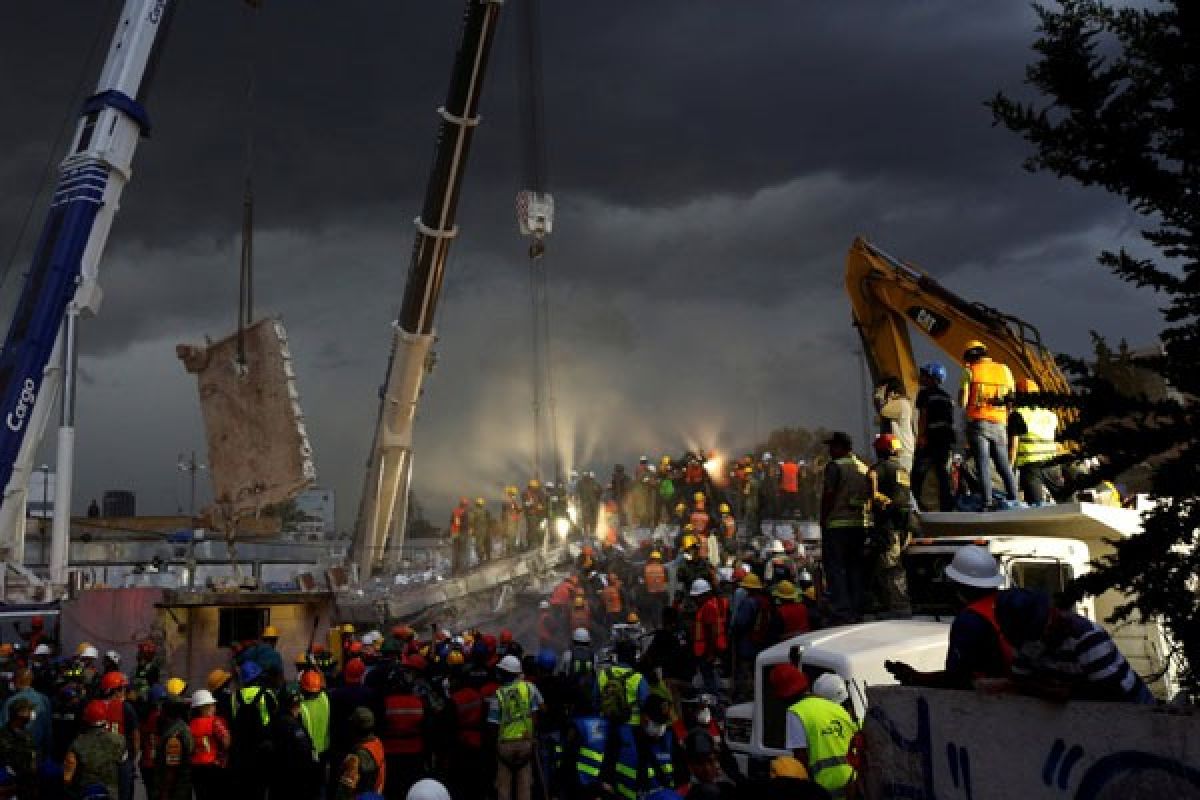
(42, 650)
(699, 587)
(202, 697)
(766, 456)
(510, 664)
(975, 566)
(644, 458)
(777, 547)
(544, 605)
(725, 574)
(581, 636)
(113, 656)
(90, 652)
(651, 468)
(427, 789)
(831, 686)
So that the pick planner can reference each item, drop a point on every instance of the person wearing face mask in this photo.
(40, 728)
(17, 750)
(657, 748)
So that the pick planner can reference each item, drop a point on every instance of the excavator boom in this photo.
(887, 296)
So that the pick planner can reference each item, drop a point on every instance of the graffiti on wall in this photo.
(1066, 770)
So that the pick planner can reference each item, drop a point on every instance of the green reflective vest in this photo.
(850, 506)
(632, 682)
(516, 711)
(314, 715)
(1037, 443)
(828, 729)
(253, 695)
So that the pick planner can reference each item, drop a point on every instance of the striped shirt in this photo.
(1077, 653)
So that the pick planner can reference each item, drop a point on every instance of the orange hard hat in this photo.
(95, 712)
(355, 669)
(113, 680)
(312, 681)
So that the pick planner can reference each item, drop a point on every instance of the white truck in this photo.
(1039, 548)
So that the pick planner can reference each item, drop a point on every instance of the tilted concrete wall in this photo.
(960, 745)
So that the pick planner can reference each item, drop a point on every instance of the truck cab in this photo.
(755, 730)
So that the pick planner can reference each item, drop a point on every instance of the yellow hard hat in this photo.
(751, 581)
(82, 646)
(579, 602)
(455, 658)
(788, 767)
(176, 686)
(633, 618)
(347, 628)
(784, 590)
(534, 483)
(680, 507)
(665, 460)
(479, 501)
(974, 344)
(723, 508)
(216, 679)
(689, 541)
(698, 496)
(270, 632)
(656, 554)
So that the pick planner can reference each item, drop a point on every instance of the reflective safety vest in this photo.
(986, 608)
(402, 732)
(632, 682)
(516, 711)
(375, 750)
(583, 660)
(828, 730)
(656, 577)
(314, 716)
(850, 506)
(988, 384)
(253, 695)
(468, 712)
(207, 746)
(1037, 443)
(592, 734)
(789, 476)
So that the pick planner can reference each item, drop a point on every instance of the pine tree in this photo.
(1119, 110)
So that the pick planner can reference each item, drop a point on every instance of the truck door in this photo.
(1049, 575)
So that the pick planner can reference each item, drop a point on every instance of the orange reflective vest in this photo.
(656, 578)
(986, 608)
(989, 384)
(468, 710)
(789, 476)
(376, 750)
(402, 732)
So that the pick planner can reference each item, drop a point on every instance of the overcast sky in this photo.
(711, 161)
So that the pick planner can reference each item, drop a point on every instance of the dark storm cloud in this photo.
(712, 163)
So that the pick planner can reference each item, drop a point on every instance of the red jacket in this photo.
(794, 618)
(710, 640)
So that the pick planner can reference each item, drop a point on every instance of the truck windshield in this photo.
(928, 589)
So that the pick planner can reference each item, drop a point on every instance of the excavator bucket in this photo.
(258, 449)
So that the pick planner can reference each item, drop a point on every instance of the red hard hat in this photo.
(489, 642)
(356, 647)
(506, 636)
(787, 681)
(312, 681)
(416, 662)
(113, 680)
(738, 574)
(355, 669)
(95, 712)
(886, 444)
(37, 622)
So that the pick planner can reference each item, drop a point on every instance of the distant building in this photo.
(119, 503)
(317, 507)
(39, 501)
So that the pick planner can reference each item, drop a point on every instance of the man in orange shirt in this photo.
(984, 392)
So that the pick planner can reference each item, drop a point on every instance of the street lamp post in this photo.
(191, 467)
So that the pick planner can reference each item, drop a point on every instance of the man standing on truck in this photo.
(896, 417)
(977, 649)
(983, 394)
(935, 436)
(845, 497)
(891, 506)
(1031, 434)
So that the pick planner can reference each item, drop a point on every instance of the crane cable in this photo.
(531, 100)
(246, 267)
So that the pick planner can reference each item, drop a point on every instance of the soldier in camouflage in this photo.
(17, 751)
(96, 755)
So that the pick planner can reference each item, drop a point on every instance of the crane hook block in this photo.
(535, 213)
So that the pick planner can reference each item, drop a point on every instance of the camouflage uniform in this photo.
(19, 755)
(95, 757)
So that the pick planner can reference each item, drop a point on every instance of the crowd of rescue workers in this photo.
(618, 691)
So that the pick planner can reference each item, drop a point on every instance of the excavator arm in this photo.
(887, 296)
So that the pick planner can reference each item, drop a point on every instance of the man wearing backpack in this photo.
(620, 694)
(253, 707)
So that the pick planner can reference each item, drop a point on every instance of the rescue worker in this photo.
(700, 520)
(620, 693)
(1031, 434)
(579, 661)
(512, 715)
(781, 566)
(690, 568)
(791, 616)
(458, 537)
(669, 655)
(729, 531)
(618, 487)
(751, 501)
(613, 600)
(314, 716)
(41, 728)
(150, 730)
(295, 767)
(466, 704)
(512, 515)
(935, 436)
(845, 504)
(709, 641)
(405, 727)
(148, 668)
(789, 487)
(96, 755)
(818, 732)
(751, 626)
(211, 741)
(17, 749)
(253, 706)
(364, 769)
(122, 720)
(704, 766)
(891, 509)
(173, 768)
(645, 495)
(666, 492)
(978, 650)
(654, 584)
(479, 522)
(589, 503)
(219, 683)
(534, 503)
(985, 389)
(896, 417)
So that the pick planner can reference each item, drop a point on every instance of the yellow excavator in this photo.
(888, 295)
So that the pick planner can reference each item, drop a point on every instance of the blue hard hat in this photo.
(934, 370)
(157, 693)
(249, 671)
(547, 659)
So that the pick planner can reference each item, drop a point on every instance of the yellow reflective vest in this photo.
(1037, 443)
(516, 711)
(828, 729)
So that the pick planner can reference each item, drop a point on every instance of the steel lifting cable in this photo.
(246, 269)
